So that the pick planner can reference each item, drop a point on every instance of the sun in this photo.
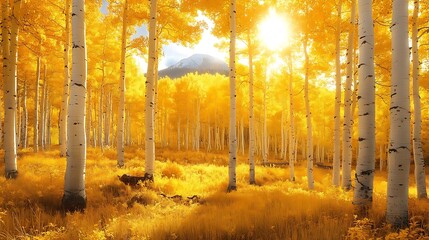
(274, 31)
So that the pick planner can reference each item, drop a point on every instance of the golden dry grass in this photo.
(274, 209)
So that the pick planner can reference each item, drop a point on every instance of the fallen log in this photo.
(321, 165)
(135, 180)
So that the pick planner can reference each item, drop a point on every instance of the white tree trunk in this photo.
(89, 117)
(36, 109)
(348, 121)
(419, 162)
(292, 145)
(150, 95)
(337, 117)
(10, 93)
(399, 146)
(366, 101)
(108, 118)
(198, 127)
(74, 198)
(264, 131)
(65, 98)
(121, 111)
(232, 184)
(5, 47)
(178, 135)
(187, 133)
(24, 123)
(42, 132)
(252, 179)
(309, 123)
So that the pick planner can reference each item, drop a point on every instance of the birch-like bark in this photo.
(292, 145)
(348, 121)
(108, 119)
(10, 93)
(309, 152)
(121, 111)
(24, 122)
(89, 117)
(252, 179)
(419, 162)
(264, 130)
(232, 184)
(178, 135)
(150, 95)
(65, 98)
(42, 127)
(337, 117)
(5, 48)
(74, 198)
(366, 110)
(36, 108)
(399, 146)
(198, 127)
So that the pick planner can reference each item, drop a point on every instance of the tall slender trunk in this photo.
(121, 111)
(197, 128)
(65, 98)
(10, 93)
(337, 117)
(74, 198)
(150, 94)
(24, 122)
(187, 133)
(232, 184)
(309, 123)
(252, 179)
(89, 117)
(5, 49)
(419, 162)
(292, 145)
(399, 146)
(264, 131)
(36, 108)
(364, 177)
(108, 120)
(43, 111)
(178, 135)
(348, 121)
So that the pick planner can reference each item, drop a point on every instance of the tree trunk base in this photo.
(11, 174)
(136, 180)
(252, 182)
(73, 203)
(231, 188)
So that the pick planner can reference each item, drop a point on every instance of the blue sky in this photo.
(174, 52)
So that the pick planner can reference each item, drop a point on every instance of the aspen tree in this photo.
(252, 179)
(65, 98)
(419, 162)
(399, 145)
(337, 118)
(10, 90)
(150, 95)
(364, 178)
(232, 184)
(348, 121)
(309, 153)
(121, 110)
(74, 198)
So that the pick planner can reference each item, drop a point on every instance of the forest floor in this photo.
(188, 200)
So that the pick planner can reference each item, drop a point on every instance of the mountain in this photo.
(199, 63)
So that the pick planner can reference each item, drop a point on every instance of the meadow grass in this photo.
(189, 201)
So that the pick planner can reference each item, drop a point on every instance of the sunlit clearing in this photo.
(274, 30)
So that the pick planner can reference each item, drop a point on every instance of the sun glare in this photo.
(274, 31)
